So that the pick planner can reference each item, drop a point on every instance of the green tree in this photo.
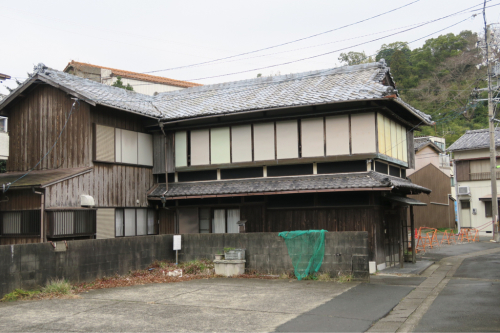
(119, 84)
(3, 166)
(354, 58)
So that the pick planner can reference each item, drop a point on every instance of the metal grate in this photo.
(71, 223)
(26, 222)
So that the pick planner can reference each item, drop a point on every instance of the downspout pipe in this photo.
(43, 237)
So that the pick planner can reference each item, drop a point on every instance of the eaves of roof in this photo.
(40, 178)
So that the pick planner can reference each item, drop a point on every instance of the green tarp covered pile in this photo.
(306, 248)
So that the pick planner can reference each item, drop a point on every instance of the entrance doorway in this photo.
(465, 214)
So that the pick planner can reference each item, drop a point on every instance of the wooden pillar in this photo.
(401, 250)
(412, 226)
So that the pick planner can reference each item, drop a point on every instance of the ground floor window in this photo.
(26, 222)
(487, 208)
(208, 220)
(80, 222)
(134, 222)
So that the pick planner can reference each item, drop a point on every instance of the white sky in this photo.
(145, 36)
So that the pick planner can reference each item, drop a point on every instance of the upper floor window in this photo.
(3, 124)
(122, 146)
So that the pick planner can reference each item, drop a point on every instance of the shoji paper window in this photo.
(263, 141)
(287, 139)
(363, 133)
(312, 135)
(200, 147)
(220, 146)
(219, 221)
(180, 149)
(337, 135)
(241, 143)
(233, 216)
(394, 140)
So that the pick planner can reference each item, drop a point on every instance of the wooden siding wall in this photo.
(170, 152)
(18, 240)
(19, 200)
(159, 153)
(34, 125)
(463, 170)
(331, 219)
(110, 185)
(432, 215)
(167, 221)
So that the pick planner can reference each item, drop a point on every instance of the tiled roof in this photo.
(90, 91)
(475, 139)
(40, 177)
(366, 180)
(420, 143)
(136, 76)
(351, 83)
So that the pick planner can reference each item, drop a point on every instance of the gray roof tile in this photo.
(366, 180)
(475, 139)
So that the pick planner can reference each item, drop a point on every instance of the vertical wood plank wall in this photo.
(110, 185)
(432, 215)
(34, 125)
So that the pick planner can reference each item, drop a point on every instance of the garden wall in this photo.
(31, 265)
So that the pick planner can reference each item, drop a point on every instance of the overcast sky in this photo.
(143, 36)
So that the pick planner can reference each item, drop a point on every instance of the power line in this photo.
(282, 44)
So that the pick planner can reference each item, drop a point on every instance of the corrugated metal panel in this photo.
(158, 153)
(200, 147)
(337, 135)
(241, 143)
(105, 223)
(220, 146)
(263, 141)
(118, 145)
(105, 143)
(312, 137)
(145, 149)
(363, 133)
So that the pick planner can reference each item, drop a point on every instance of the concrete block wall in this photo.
(345, 252)
(31, 265)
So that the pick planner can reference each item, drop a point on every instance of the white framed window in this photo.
(134, 222)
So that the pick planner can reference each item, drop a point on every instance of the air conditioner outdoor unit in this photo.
(86, 200)
(463, 190)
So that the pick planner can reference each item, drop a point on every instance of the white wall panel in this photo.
(381, 132)
(388, 141)
(263, 141)
(145, 149)
(180, 149)
(312, 137)
(287, 139)
(394, 140)
(337, 135)
(241, 143)
(200, 147)
(220, 146)
(363, 133)
(129, 147)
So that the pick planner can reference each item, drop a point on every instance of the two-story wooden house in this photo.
(318, 150)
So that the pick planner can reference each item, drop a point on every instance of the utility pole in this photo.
(493, 155)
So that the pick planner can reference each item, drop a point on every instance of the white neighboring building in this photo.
(472, 159)
(142, 83)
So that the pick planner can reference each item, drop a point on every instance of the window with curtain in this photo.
(219, 221)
